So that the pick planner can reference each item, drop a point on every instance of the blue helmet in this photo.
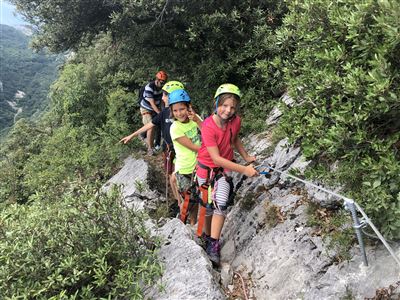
(178, 96)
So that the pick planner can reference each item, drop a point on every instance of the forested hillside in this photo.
(26, 71)
(338, 60)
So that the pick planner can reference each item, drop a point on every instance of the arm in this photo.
(186, 142)
(227, 164)
(153, 105)
(195, 117)
(146, 127)
(243, 153)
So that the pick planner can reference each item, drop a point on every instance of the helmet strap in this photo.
(216, 104)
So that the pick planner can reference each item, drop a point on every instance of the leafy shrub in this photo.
(71, 154)
(24, 142)
(76, 96)
(83, 247)
(334, 227)
(342, 68)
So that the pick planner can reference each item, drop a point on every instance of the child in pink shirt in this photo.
(219, 135)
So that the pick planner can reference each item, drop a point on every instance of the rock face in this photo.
(266, 239)
(133, 179)
(188, 272)
(286, 261)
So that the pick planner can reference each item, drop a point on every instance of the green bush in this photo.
(71, 154)
(24, 142)
(342, 68)
(83, 247)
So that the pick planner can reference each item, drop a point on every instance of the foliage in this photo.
(77, 98)
(24, 142)
(343, 72)
(42, 163)
(80, 247)
(199, 42)
(71, 154)
(338, 60)
(248, 201)
(331, 225)
(64, 24)
(233, 42)
(273, 214)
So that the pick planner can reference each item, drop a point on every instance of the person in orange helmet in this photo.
(150, 105)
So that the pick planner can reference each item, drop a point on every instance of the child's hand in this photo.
(249, 171)
(250, 159)
(126, 139)
(194, 117)
(192, 114)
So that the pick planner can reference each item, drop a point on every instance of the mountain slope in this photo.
(22, 70)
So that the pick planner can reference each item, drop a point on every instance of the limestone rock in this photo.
(188, 273)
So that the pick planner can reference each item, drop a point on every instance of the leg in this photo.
(220, 198)
(143, 136)
(149, 134)
(174, 188)
(157, 136)
(207, 223)
(193, 214)
(184, 183)
(146, 118)
(217, 223)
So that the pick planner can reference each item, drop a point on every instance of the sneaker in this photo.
(213, 251)
(203, 241)
(157, 148)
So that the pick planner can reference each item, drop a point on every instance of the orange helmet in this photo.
(162, 75)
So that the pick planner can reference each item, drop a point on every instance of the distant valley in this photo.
(25, 77)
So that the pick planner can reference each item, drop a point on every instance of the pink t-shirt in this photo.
(211, 136)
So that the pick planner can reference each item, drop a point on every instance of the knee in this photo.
(221, 211)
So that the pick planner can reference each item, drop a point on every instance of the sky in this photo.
(8, 15)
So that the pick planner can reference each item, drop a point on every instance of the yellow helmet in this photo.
(227, 88)
(171, 86)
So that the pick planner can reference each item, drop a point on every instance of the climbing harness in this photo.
(350, 205)
(205, 190)
(190, 197)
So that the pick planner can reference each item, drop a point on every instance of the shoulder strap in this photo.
(141, 91)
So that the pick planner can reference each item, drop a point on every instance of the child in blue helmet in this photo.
(186, 140)
(163, 121)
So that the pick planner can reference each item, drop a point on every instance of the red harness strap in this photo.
(185, 206)
(212, 175)
(203, 208)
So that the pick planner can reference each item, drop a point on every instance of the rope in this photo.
(166, 180)
(243, 285)
(346, 200)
